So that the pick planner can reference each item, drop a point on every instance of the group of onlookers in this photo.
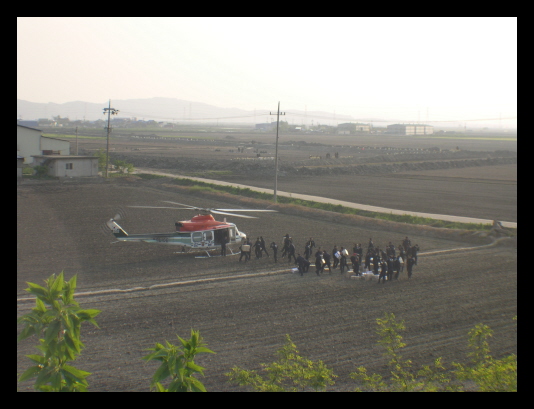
(387, 263)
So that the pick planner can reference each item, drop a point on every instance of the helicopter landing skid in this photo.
(208, 255)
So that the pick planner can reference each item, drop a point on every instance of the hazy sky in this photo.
(403, 68)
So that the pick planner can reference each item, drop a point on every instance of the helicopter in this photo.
(201, 233)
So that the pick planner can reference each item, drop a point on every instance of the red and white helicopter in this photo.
(201, 233)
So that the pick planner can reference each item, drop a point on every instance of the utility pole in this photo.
(110, 111)
(76, 141)
(276, 150)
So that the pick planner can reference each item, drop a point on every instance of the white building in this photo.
(68, 166)
(30, 142)
(410, 129)
(353, 128)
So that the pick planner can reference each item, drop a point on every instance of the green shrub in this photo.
(177, 363)
(56, 321)
(291, 373)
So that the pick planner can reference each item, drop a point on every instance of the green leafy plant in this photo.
(402, 377)
(102, 159)
(488, 374)
(291, 373)
(177, 363)
(40, 171)
(123, 166)
(56, 320)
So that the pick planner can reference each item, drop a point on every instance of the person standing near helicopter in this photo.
(223, 245)
(257, 248)
(291, 251)
(274, 248)
(263, 247)
(244, 251)
(285, 247)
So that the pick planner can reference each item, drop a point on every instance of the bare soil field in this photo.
(148, 293)
(420, 174)
(244, 310)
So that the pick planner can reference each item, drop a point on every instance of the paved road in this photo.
(459, 219)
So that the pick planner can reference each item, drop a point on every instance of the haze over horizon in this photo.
(425, 69)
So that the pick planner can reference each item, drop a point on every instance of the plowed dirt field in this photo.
(148, 293)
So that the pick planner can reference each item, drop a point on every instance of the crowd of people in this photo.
(388, 262)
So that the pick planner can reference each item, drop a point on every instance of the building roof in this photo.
(64, 157)
(56, 139)
(27, 127)
(409, 125)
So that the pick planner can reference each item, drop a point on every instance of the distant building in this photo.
(266, 126)
(410, 129)
(352, 128)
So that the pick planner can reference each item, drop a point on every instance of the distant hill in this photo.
(164, 109)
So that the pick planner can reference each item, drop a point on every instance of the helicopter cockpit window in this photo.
(208, 236)
(232, 234)
(197, 236)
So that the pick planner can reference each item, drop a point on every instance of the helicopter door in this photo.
(231, 234)
(219, 236)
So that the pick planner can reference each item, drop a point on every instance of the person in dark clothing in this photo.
(368, 257)
(376, 255)
(390, 250)
(274, 248)
(383, 271)
(327, 260)
(263, 248)
(307, 251)
(224, 241)
(390, 264)
(311, 244)
(370, 245)
(402, 253)
(415, 250)
(257, 248)
(318, 262)
(291, 252)
(407, 244)
(359, 251)
(409, 266)
(285, 246)
(303, 264)
(376, 265)
(355, 264)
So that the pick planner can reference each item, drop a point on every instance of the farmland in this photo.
(148, 293)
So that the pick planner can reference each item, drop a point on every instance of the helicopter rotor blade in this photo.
(245, 210)
(233, 214)
(181, 204)
(162, 207)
